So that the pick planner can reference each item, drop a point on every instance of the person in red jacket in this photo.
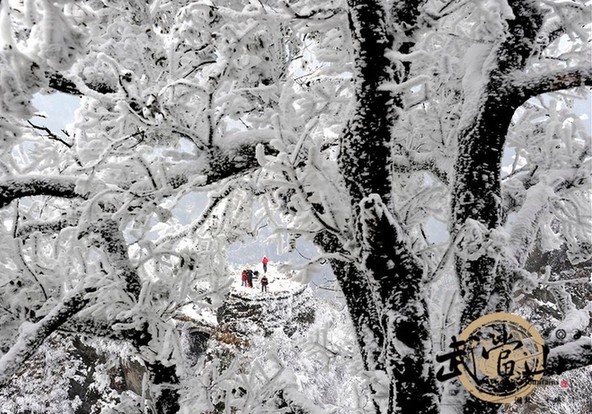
(265, 261)
(244, 278)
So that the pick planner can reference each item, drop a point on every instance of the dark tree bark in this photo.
(486, 282)
(360, 304)
(18, 187)
(59, 83)
(383, 288)
(477, 186)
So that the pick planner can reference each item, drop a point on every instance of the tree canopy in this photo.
(359, 126)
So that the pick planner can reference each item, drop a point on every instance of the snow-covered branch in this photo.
(224, 163)
(538, 197)
(32, 335)
(193, 227)
(13, 188)
(527, 87)
(53, 226)
(572, 355)
(114, 244)
(59, 83)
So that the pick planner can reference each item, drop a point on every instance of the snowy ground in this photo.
(279, 281)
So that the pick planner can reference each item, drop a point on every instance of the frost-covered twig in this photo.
(313, 208)
(437, 273)
(537, 200)
(196, 224)
(315, 13)
(50, 134)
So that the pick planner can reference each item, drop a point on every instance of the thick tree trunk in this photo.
(393, 337)
(486, 281)
(383, 288)
(361, 307)
(398, 287)
(163, 378)
(477, 186)
(365, 146)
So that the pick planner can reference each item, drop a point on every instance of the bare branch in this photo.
(50, 134)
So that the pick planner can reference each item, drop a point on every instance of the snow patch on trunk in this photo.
(477, 62)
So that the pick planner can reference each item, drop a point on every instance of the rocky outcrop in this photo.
(288, 310)
(247, 314)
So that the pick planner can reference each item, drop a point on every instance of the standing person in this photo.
(265, 261)
(250, 278)
(264, 283)
(244, 278)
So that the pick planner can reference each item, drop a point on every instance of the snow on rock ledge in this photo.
(281, 285)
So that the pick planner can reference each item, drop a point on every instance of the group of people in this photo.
(248, 275)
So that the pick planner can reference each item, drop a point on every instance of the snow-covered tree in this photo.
(357, 125)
